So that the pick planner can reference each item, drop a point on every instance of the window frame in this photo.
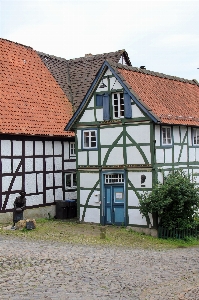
(118, 105)
(96, 137)
(72, 149)
(171, 136)
(192, 135)
(72, 187)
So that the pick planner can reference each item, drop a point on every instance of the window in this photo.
(114, 178)
(166, 136)
(195, 136)
(118, 105)
(72, 149)
(89, 139)
(70, 181)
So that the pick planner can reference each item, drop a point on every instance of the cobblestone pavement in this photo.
(48, 270)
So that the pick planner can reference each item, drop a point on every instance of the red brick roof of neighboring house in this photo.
(31, 101)
(172, 100)
(76, 75)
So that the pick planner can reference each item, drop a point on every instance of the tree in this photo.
(176, 201)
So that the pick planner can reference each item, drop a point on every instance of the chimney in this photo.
(89, 54)
(143, 67)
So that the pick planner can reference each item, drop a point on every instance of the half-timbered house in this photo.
(38, 95)
(132, 127)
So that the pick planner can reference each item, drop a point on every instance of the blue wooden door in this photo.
(114, 204)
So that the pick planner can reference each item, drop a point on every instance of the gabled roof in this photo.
(31, 101)
(165, 99)
(76, 75)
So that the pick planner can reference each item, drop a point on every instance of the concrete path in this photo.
(46, 270)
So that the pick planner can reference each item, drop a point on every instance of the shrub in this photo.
(176, 202)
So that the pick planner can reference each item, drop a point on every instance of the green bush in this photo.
(176, 202)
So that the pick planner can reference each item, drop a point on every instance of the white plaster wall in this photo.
(109, 135)
(83, 196)
(30, 183)
(197, 154)
(49, 163)
(38, 148)
(17, 148)
(136, 112)
(134, 156)
(108, 73)
(103, 153)
(49, 196)
(48, 148)
(116, 156)
(157, 135)
(88, 115)
(160, 156)
(176, 134)
(40, 182)
(176, 152)
(34, 200)
(99, 114)
(91, 102)
(58, 194)
(189, 137)
(192, 154)
(183, 157)
(132, 198)
(79, 133)
(92, 215)
(135, 178)
(135, 217)
(16, 164)
(141, 133)
(114, 84)
(58, 163)
(11, 200)
(93, 158)
(57, 148)
(88, 180)
(5, 148)
(69, 165)
(183, 130)
(38, 164)
(147, 152)
(6, 180)
(160, 177)
(82, 158)
(28, 148)
(70, 195)
(168, 155)
(17, 185)
(28, 164)
(58, 179)
(49, 179)
(66, 150)
(94, 199)
(6, 165)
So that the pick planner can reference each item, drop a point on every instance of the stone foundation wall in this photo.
(147, 231)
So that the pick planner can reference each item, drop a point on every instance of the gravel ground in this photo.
(47, 270)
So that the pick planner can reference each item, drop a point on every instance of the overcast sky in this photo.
(162, 35)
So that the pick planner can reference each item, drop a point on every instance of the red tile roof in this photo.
(172, 100)
(31, 101)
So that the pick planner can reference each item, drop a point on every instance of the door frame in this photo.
(102, 194)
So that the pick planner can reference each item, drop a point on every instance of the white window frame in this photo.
(91, 139)
(118, 105)
(72, 149)
(195, 136)
(114, 178)
(166, 135)
(72, 186)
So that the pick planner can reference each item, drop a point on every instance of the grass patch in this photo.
(89, 234)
